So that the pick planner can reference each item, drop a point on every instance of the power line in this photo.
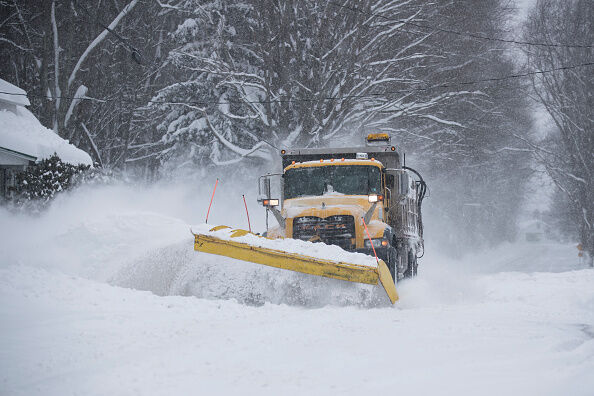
(331, 98)
(458, 33)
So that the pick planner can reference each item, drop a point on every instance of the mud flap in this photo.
(295, 262)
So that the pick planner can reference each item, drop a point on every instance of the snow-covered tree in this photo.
(265, 75)
(567, 97)
(80, 64)
(477, 182)
(225, 82)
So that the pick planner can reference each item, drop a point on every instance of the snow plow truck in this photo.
(356, 200)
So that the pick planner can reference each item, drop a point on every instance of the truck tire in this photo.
(392, 263)
(412, 262)
(411, 267)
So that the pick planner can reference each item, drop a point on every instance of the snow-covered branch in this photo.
(99, 39)
(57, 92)
(255, 151)
(78, 97)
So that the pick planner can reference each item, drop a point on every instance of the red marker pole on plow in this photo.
(370, 241)
(211, 198)
(248, 213)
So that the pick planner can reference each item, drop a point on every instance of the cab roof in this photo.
(386, 154)
(335, 162)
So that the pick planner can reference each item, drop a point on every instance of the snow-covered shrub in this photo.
(40, 183)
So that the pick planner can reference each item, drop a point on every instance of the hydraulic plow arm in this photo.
(295, 262)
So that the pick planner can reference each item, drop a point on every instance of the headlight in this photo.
(375, 198)
(270, 202)
(379, 242)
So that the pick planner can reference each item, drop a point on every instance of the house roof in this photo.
(12, 94)
(17, 154)
(21, 132)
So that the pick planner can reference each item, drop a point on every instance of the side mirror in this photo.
(404, 183)
(401, 180)
(390, 180)
(265, 192)
(265, 197)
(264, 189)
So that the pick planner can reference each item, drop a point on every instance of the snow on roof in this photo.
(12, 94)
(22, 132)
(336, 161)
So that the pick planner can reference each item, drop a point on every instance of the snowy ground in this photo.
(103, 295)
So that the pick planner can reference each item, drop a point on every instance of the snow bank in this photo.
(24, 133)
(94, 232)
(64, 334)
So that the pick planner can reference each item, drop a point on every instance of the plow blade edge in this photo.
(295, 262)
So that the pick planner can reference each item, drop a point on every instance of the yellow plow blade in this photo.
(296, 262)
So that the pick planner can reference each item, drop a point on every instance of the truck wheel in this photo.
(411, 264)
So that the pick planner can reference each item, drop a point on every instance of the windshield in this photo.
(344, 179)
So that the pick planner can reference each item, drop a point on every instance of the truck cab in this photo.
(361, 199)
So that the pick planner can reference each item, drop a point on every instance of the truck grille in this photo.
(334, 230)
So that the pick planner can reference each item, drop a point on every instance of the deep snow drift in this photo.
(103, 294)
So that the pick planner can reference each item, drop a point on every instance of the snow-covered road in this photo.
(516, 321)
